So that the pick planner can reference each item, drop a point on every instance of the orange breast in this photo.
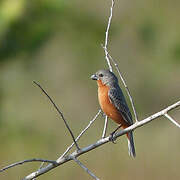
(107, 107)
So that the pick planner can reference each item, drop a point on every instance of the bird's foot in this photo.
(112, 138)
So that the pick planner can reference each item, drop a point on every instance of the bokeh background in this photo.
(58, 43)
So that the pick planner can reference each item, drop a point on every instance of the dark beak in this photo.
(94, 77)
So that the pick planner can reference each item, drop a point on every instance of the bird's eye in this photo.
(100, 75)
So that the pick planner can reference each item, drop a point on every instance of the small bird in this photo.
(113, 103)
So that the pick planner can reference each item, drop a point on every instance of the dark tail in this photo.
(131, 147)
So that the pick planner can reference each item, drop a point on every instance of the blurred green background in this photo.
(58, 43)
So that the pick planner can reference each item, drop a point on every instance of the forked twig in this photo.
(51, 161)
(82, 132)
(101, 142)
(60, 113)
(108, 58)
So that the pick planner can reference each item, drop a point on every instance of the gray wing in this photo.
(117, 98)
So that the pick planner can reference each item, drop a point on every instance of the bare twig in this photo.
(125, 85)
(26, 161)
(101, 142)
(105, 127)
(108, 58)
(107, 34)
(172, 120)
(85, 168)
(82, 132)
(106, 55)
(60, 113)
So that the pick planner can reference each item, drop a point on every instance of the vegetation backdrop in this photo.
(58, 43)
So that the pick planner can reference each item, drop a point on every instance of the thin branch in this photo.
(101, 142)
(105, 127)
(172, 120)
(60, 113)
(85, 168)
(26, 161)
(82, 132)
(107, 34)
(125, 85)
(108, 58)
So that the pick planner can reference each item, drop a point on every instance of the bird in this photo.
(113, 103)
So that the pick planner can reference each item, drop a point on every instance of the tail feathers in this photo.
(131, 147)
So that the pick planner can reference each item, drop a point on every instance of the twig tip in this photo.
(33, 81)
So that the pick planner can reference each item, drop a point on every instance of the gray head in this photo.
(105, 76)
